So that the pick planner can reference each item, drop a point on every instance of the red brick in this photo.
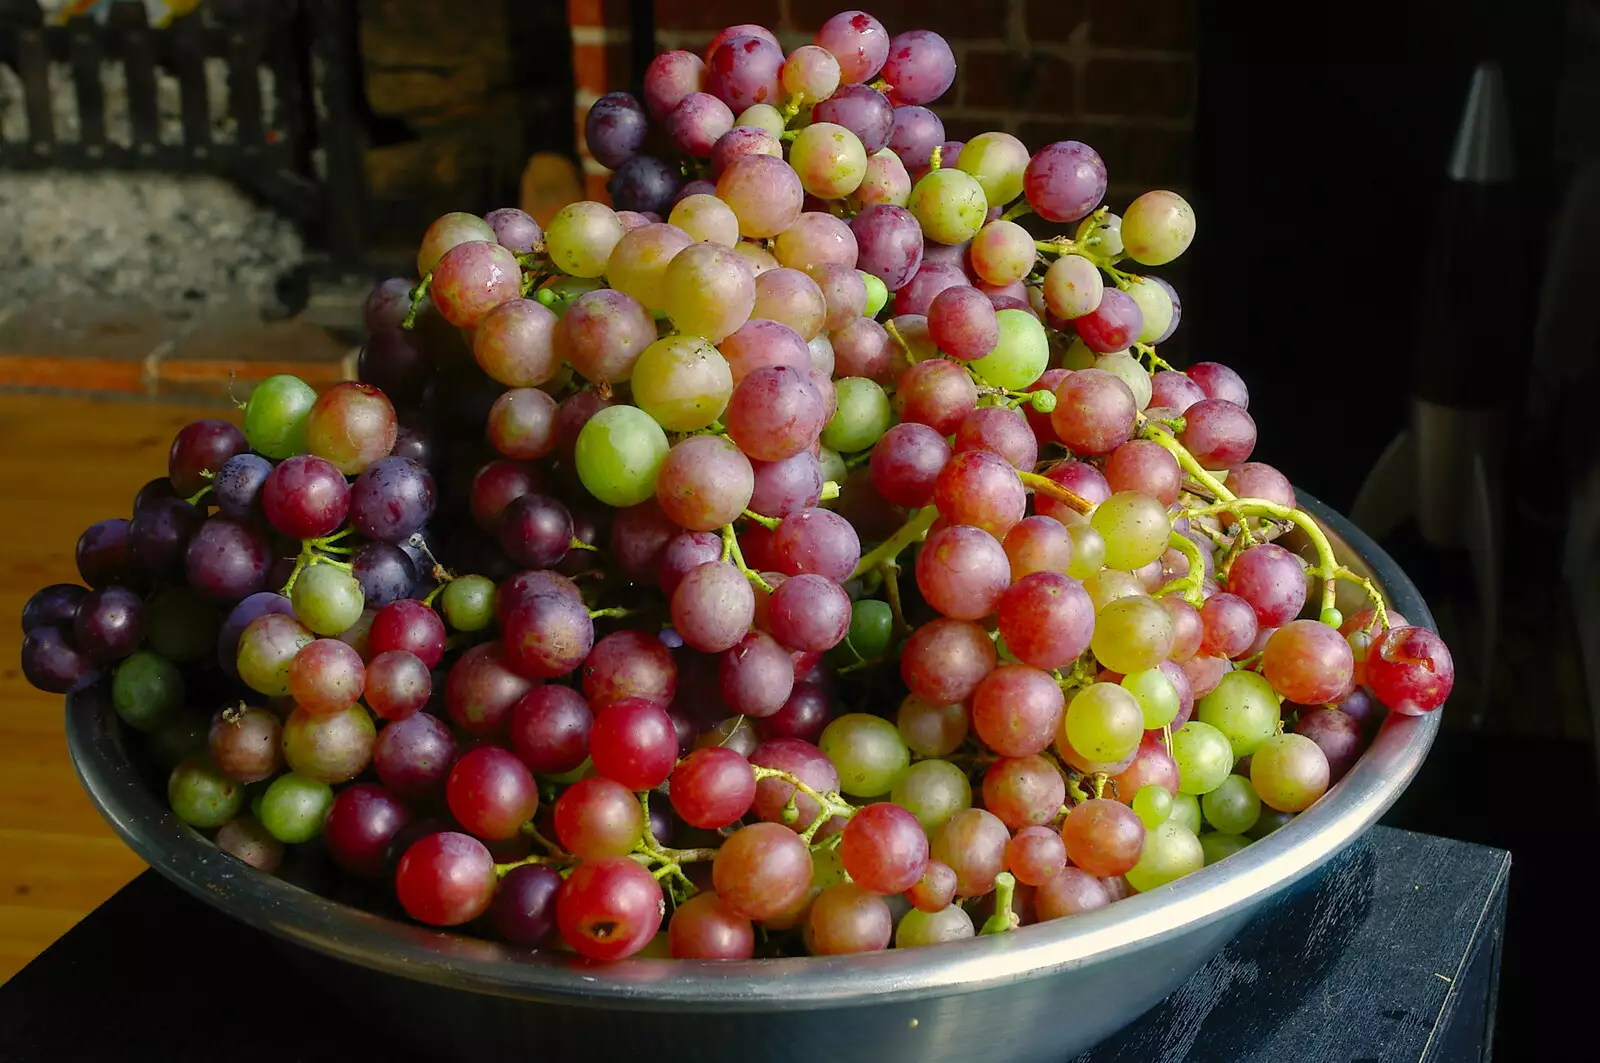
(1054, 20)
(601, 68)
(1157, 88)
(1016, 82)
(957, 18)
(713, 15)
(612, 14)
(1148, 24)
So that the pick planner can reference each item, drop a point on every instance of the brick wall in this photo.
(1117, 74)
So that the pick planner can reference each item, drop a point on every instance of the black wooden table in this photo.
(1390, 955)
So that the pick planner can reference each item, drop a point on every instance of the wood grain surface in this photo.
(65, 462)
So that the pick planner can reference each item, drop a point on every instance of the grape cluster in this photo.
(803, 544)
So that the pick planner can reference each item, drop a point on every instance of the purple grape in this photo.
(917, 131)
(888, 244)
(699, 187)
(685, 552)
(524, 906)
(515, 230)
(615, 130)
(55, 604)
(385, 572)
(199, 449)
(109, 623)
(415, 444)
(387, 305)
(932, 278)
(1177, 308)
(414, 756)
(227, 560)
(51, 661)
(547, 636)
(391, 499)
(258, 604)
(735, 144)
(744, 71)
(783, 487)
(644, 183)
(102, 553)
(864, 111)
(395, 361)
(698, 122)
(536, 531)
(237, 487)
(920, 68)
(1064, 181)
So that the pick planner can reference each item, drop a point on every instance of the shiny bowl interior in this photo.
(142, 818)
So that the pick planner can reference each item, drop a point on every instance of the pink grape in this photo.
(943, 661)
(858, 41)
(669, 78)
(935, 889)
(1047, 619)
(1228, 626)
(775, 413)
(889, 243)
(1035, 855)
(1410, 670)
(515, 344)
(791, 298)
(1174, 391)
(704, 483)
(979, 488)
(1016, 710)
(1103, 837)
(1094, 412)
(1337, 735)
(1188, 627)
(962, 571)
(809, 612)
(1147, 467)
(814, 240)
(1218, 433)
(1024, 791)
(1152, 765)
(759, 343)
(757, 676)
(1072, 892)
(920, 67)
(1037, 544)
(1000, 431)
(765, 195)
(883, 848)
(1220, 382)
(328, 676)
(816, 540)
(472, 279)
(973, 845)
(1113, 325)
(744, 71)
(1064, 181)
(705, 928)
(784, 487)
(1272, 580)
(762, 870)
(938, 393)
(713, 607)
(1083, 480)
(1308, 662)
(931, 278)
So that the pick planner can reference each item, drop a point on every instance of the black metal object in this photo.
(300, 150)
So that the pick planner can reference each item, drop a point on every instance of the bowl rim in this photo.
(457, 961)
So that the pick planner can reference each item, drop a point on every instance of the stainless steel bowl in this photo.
(1044, 992)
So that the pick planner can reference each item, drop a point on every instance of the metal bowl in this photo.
(1045, 992)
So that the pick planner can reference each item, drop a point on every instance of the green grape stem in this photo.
(576, 543)
(532, 831)
(502, 870)
(419, 293)
(614, 612)
(194, 499)
(1187, 584)
(315, 552)
(1043, 485)
(1003, 919)
(731, 552)
(764, 521)
(1327, 568)
(831, 804)
(936, 158)
(1020, 209)
(1148, 351)
(913, 530)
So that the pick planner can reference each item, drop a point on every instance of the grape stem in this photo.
(831, 804)
(936, 158)
(914, 530)
(1003, 919)
(1043, 485)
(311, 553)
(766, 522)
(615, 612)
(502, 870)
(651, 851)
(731, 552)
(1097, 784)
(418, 293)
(891, 592)
(894, 334)
(1327, 569)
(1146, 350)
(194, 499)
(1187, 584)
(576, 543)
(1021, 208)
(532, 831)
(1166, 737)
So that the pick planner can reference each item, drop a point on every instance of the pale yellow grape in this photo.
(1153, 805)
(581, 237)
(1156, 305)
(1101, 235)
(1233, 807)
(933, 791)
(997, 161)
(1126, 368)
(949, 205)
(1019, 356)
(1219, 846)
(1203, 756)
(638, 264)
(1244, 708)
(1289, 772)
(705, 217)
(886, 181)
(683, 382)
(1088, 551)
(1003, 252)
(1073, 287)
(1157, 228)
(1157, 697)
(829, 159)
(1108, 584)
(1186, 810)
(1136, 528)
(759, 258)
(619, 454)
(810, 73)
(1103, 723)
(1171, 851)
(877, 294)
(765, 194)
(710, 290)
(762, 116)
(1131, 634)
(1079, 356)
(916, 927)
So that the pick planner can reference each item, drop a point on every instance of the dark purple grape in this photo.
(391, 499)
(414, 756)
(227, 560)
(615, 130)
(388, 304)
(385, 573)
(536, 531)
(159, 535)
(360, 826)
(55, 604)
(102, 553)
(524, 907)
(863, 110)
(237, 487)
(684, 552)
(201, 448)
(415, 444)
(396, 362)
(515, 229)
(804, 715)
(644, 183)
(51, 661)
(547, 636)
(155, 490)
(255, 605)
(109, 623)
(525, 585)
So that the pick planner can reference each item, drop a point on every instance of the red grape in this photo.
(633, 742)
(446, 879)
(1016, 710)
(1024, 791)
(1410, 670)
(705, 928)
(361, 823)
(1272, 580)
(609, 908)
(762, 870)
(411, 626)
(597, 817)
(962, 571)
(1103, 837)
(712, 788)
(1035, 855)
(883, 848)
(973, 844)
(1072, 892)
(398, 684)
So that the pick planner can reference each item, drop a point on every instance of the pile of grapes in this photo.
(661, 586)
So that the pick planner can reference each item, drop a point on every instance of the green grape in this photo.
(1136, 529)
(1088, 551)
(581, 236)
(997, 162)
(683, 382)
(1171, 851)
(1156, 305)
(266, 649)
(868, 751)
(293, 808)
(833, 466)
(762, 116)
(1244, 708)
(147, 691)
(877, 293)
(468, 603)
(619, 454)
(949, 205)
(1186, 810)
(1022, 352)
(871, 623)
(1332, 617)
(327, 599)
(1078, 355)
(1103, 723)
(829, 159)
(1289, 772)
(201, 795)
(1126, 368)
(862, 417)
(1233, 807)
(1157, 697)
(1204, 757)
(1217, 845)
(1131, 634)
(1109, 584)
(174, 740)
(1153, 805)
(1271, 820)
(1157, 228)
(933, 791)
(183, 626)
(275, 416)
(950, 923)
(1102, 234)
